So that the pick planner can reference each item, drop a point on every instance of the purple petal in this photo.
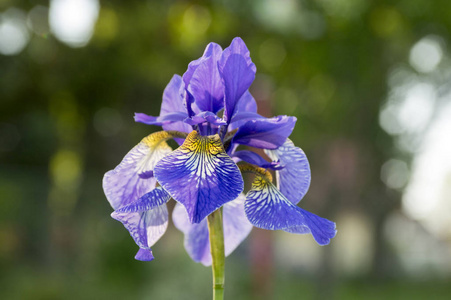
(197, 242)
(238, 77)
(265, 133)
(255, 159)
(174, 102)
(236, 225)
(237, 46)
(146, 119)
(206, 85)
(146, 174)
(266, 207)
(245, 110)
(173, 97)
(246, 104)
(241, 118)
(144, 255)
(192, 108)
(145, 227)
(205, 116)
(161, 120)
(152, 199)
(192, 67)
(124, 185)
(238, 72)
(173, 110)
(200, 175)
(322, 229)
(294, 179)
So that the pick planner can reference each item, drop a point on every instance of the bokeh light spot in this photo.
(426, 54)
(14, 34)
(72, 21)
(38, 20)
(395, 173)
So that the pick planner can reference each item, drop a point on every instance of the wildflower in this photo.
(210, 112)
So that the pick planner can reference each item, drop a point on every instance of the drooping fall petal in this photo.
(200, 175)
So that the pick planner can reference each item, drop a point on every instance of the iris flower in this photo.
(210, 112)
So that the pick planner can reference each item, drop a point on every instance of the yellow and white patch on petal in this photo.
(124, 185)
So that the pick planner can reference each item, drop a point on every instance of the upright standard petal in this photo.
(237, 46)
(238, 73)
(172, 109)
(265, 133)
(173, 97)
(293, 180)
(200, 175)
(197, 241)
(266, 207)
(192, 66)
(206, 85)
(174, 102)
(124, 185)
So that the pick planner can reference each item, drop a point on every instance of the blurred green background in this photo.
(369, 82)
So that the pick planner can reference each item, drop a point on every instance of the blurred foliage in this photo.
(66, 118)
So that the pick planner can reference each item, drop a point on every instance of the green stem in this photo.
(217, 253)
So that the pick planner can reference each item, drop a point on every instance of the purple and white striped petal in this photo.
(321, 229)
(200, 175)
(294, 179)
(146, 219)
(145, 227)
(144, 255)
(152, 199)
(265, 133)
(266, 207)
(197, 242)
(124, 185)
